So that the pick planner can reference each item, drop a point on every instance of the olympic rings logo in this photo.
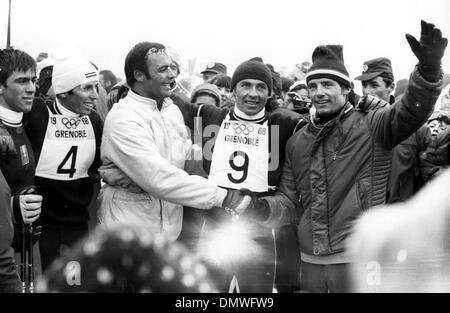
(70, 123)
(242, 128)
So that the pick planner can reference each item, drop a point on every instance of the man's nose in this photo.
(320, 91)
(94, 94)
(31, 87)
(252, 92)
(367, 91)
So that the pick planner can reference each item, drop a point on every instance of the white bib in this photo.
(241, 156)
(68, 149)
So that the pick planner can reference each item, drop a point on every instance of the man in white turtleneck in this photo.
(144, 148)
(66, 135)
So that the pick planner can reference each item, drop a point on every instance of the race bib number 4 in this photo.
(68, 149)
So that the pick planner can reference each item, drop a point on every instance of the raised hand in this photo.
(429, 50)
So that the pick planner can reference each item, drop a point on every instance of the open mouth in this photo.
(88, 106)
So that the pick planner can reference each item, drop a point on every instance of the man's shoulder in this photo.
(283, 114)
(96, 119)
(39, 111)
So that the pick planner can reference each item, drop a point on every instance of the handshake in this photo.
(244, 202)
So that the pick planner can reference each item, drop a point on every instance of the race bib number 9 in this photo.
(241, 155)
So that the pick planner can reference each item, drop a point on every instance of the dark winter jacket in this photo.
(335, 172)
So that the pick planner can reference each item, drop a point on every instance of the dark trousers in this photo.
(324, 278)
(288, 259)
(55, 241)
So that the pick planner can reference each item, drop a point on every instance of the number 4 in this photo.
(71, 171)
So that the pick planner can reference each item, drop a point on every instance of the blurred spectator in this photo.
(41, 56)
(297, 98)
(213, 68)
(223, 82)
(300, 70)
(400, 87)
(438, 122)
(436, 157)
(206, 94)
(286, 83)
(443, 102)
(107, 80)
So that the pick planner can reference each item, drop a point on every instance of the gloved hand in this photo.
(7, 148)
(255, 209)
(429, 50)
(259, 210)
(236, 201)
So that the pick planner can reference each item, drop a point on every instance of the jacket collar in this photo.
(147, 101)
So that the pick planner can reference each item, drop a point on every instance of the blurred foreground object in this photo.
(126, 259)
(405, 247)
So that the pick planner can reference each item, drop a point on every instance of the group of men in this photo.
(265, 169)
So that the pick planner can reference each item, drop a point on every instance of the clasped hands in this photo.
(244, 203)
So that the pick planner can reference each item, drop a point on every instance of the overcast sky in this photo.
(282, 32)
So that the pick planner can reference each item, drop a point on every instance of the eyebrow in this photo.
(25, 77)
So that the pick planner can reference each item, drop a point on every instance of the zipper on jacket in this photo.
(161, 215)
(335, 155)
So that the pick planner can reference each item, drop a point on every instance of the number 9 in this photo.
(243, 168)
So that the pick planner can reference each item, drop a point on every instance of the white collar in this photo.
(10, 117)
(145, 100)
(64, 111)
(244, 116)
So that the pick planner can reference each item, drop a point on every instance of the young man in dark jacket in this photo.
(337, 166)
(405, 180)
(17, 89)
(9, 278)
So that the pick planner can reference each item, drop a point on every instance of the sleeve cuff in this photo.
(220, 196)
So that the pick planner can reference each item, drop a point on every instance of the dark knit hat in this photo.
(376, 67)
(252, 69)
(328, 62)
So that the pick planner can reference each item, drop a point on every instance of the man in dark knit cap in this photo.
(243, 148)
(337, 166)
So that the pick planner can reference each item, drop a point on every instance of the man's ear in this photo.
(139, 76)
(2, 89)
(391, 87)
(345, 90)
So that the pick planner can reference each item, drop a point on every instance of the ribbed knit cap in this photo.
(328, 62)
(252, 69)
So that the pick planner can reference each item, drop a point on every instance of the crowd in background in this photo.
(80, 147)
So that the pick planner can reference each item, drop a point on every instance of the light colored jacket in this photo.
(143, 152)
